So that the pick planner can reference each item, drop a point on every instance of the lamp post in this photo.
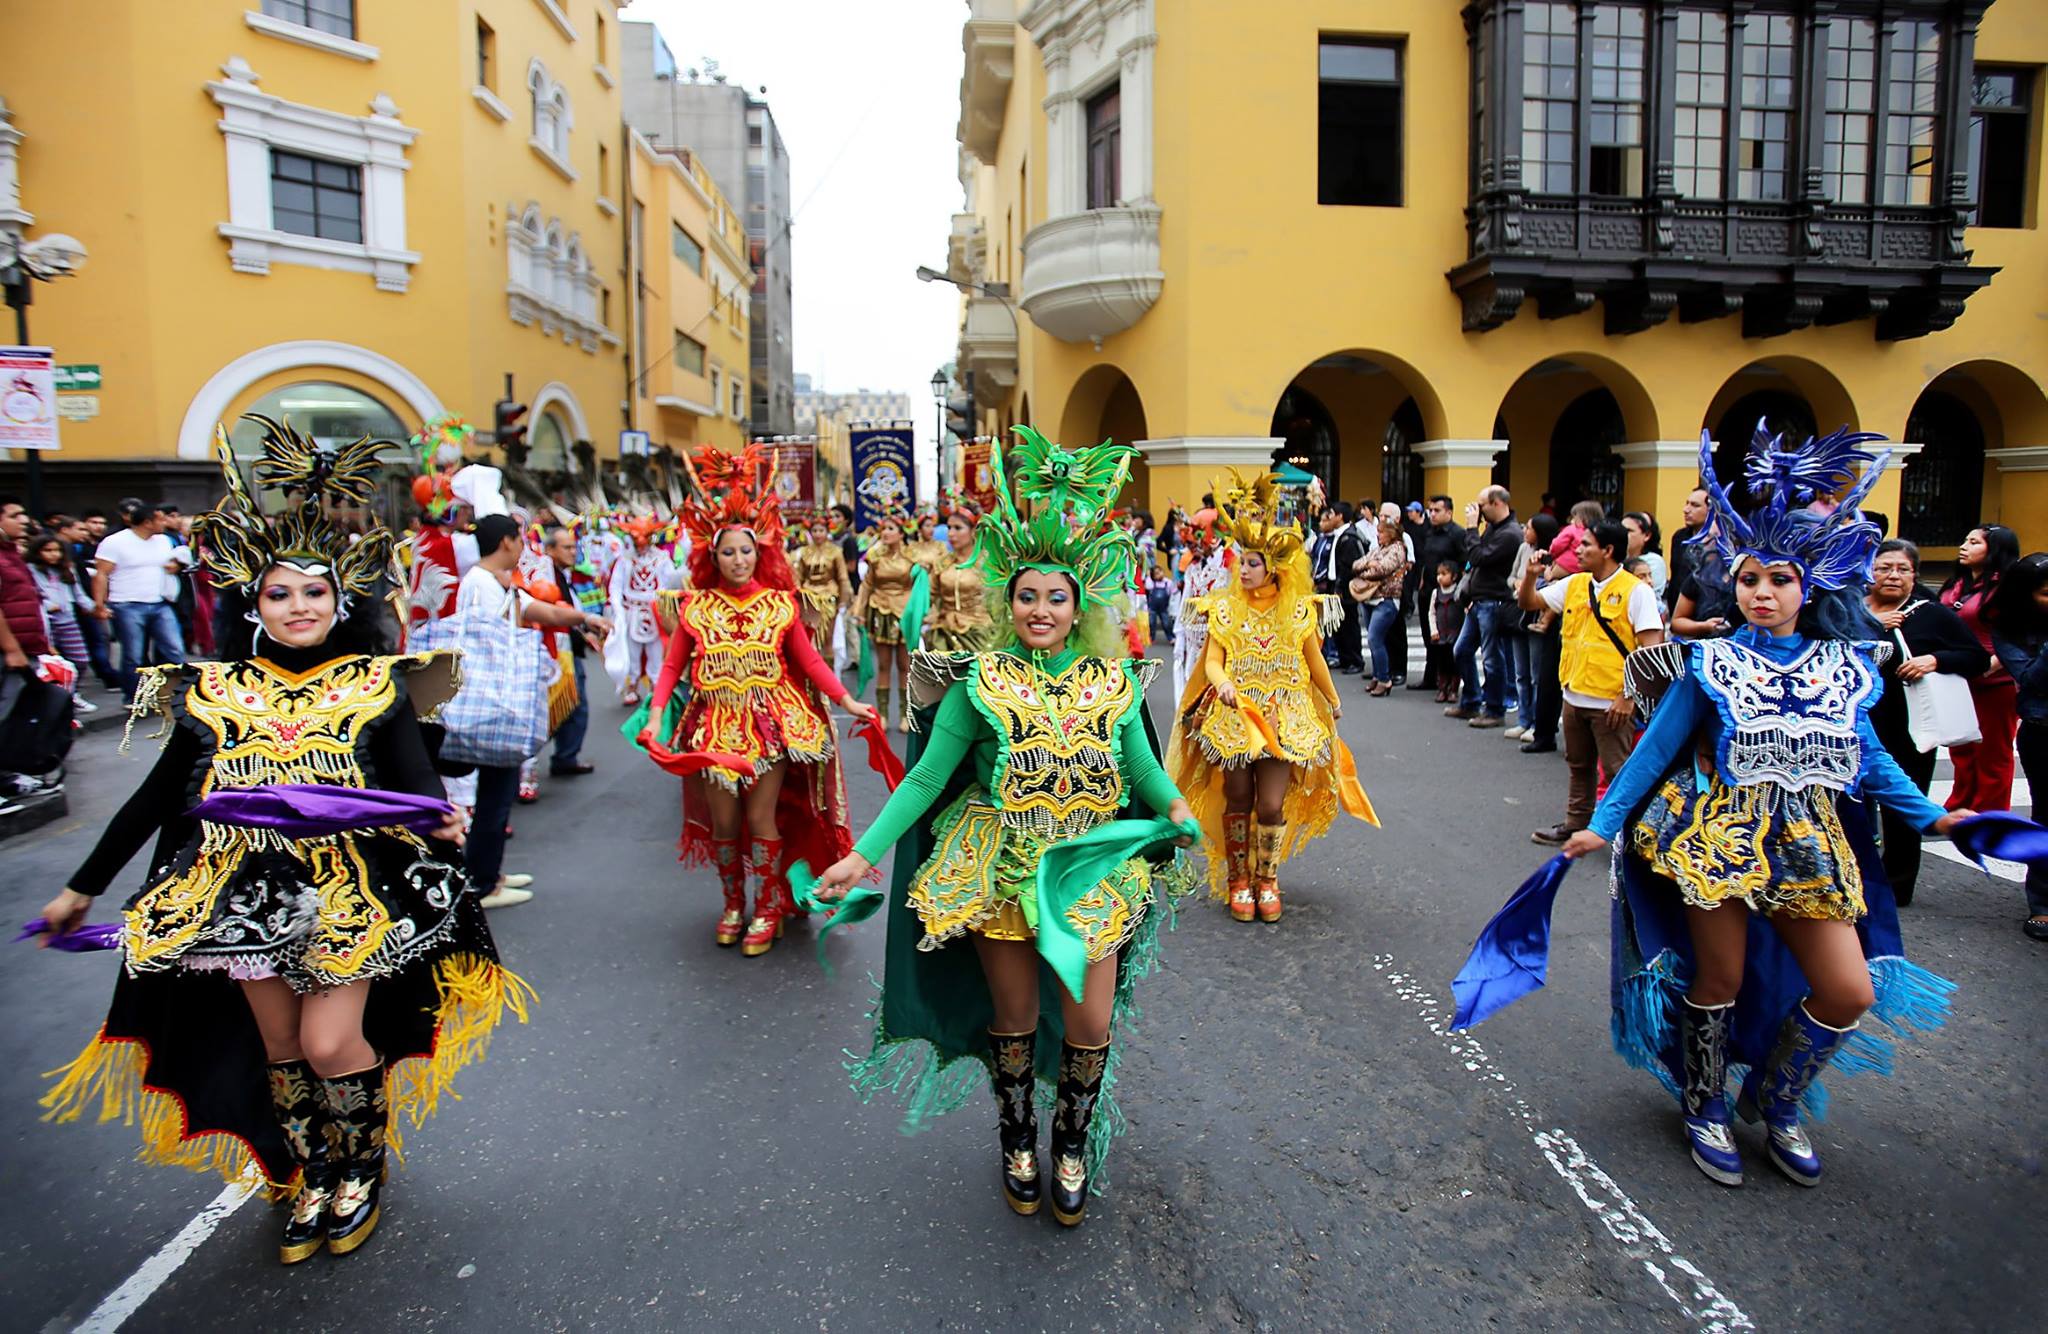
(939, 381)
(25, 262)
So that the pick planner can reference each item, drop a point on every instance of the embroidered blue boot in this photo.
(1709, 1132)
(1804, 1047)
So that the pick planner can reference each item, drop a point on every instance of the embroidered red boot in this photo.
(771, 899)
(732, 880)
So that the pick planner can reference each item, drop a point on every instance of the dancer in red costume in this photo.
(753, 742)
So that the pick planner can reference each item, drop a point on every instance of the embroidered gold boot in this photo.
(1266, 840)
(295, 1097)
(732, 882)
(1237, 836)
(356, 1107)
(1081, 1070)
(1013, 1077)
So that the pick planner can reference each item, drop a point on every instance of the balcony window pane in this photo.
(1550, 75)
(1614, 140)
(1700, 117)
(2000, 131)
(1911, 126)
(1849, 98)
(1105, 148)
(1358, 124)
(1763, 169)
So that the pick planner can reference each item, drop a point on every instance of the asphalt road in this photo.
(670, 1144)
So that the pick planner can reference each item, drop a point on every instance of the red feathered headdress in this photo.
(735, 491)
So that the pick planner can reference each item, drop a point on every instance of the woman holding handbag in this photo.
(1932, 640)
(1376, 587)
(1984, 768)
(2018, 616)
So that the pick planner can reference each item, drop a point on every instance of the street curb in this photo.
(33, 813)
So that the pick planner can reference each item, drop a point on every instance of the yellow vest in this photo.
(1588, 663)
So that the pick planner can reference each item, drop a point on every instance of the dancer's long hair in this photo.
(771, 565)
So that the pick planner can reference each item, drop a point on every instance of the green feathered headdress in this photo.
(1070, 493)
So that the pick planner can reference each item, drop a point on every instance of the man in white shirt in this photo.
(487, 590)
(134, 570)
(1608, 614)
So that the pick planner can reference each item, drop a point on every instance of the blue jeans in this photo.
(1382, 618)
(1484, 640)
(135, 621)
(1522, 650)
(569, 736)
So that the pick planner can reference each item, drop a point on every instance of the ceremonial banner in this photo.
(884, 475)
(793, 468)
(977, 479)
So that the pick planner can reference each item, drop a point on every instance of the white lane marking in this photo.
(127, 1299)
(2004, 870)
(1692, 1291)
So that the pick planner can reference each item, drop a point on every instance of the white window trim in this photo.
(488, 100)
(1085, 46)
(530, 304)
(681, 404)
(254, 122)
(547, 155)
(604, 76)
(558, 18)
(286, 30)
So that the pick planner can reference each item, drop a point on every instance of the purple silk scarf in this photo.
(307, 810)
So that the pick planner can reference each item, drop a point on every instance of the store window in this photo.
(2001, 116)
(333, 414)
(547, 446)
(1358, 123)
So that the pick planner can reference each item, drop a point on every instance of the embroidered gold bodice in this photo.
(739, 639)
(1060, 773)
(887, 586)
(274, 726)
(1265, 644)
(927, 552)
(821, 573)
(959, 598)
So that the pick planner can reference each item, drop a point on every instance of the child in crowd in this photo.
(1445, 618)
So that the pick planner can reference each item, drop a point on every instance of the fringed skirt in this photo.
(1774, 850)
(884, 628)
(982, 877)
(759, 726)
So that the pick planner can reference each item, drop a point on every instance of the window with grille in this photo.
(1770, 82)
(1700, 114)
(310, 196)
(1105, 147)
(1849, 98)
(1910, 116)
(1614, 139)
(2001, 115)
(336, 17)
(1358, 124)
(1550, 97)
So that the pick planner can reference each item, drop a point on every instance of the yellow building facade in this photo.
(690, 377)
(1304, 230)
(357, 214)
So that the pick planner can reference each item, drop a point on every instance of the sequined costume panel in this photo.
(317, 912)
(1265, 648)
(1790, 724)
(1776, 851)
(958, 621)
(744, 700)
(1059, 772)
(982, 877)
(886, 591)
(821, 578)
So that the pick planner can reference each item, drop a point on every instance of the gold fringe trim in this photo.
(475, 994)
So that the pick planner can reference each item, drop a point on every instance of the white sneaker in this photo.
(506, 898)
(1514, 733)
(514, 880)
(80, 704)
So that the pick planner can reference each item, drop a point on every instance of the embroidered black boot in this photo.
(295, 1097)
(356, 1106)
(1080, 1084)
(1014, 1079)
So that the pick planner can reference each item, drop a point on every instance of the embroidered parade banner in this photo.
(977, 480)
(793, 470)
(884, 475)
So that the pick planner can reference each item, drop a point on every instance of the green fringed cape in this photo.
(933, 1012)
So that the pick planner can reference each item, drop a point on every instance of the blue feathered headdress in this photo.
(1784, 527)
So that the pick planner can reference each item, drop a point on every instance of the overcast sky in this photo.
(867, 98)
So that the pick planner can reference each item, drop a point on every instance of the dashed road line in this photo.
(1640, 1239)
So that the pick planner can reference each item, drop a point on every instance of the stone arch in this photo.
(1789, 395)
(1104, 404)
(1335, 414)
(210, 404)
(1563, 419)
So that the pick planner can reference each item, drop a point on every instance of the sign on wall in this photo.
(28, 399)
(884, 475)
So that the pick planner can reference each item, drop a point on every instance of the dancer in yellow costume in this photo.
(303, 965)
(822, 579)
(1255, 747)
(958, 621)
(885, 592)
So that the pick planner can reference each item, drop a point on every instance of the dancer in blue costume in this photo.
(1751, 905)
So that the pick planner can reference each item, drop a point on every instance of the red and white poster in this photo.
(28, 399)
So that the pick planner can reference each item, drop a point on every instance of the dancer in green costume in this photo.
(1037, 852)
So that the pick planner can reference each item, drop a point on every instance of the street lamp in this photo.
(1000, 291)
(939, 382)
(22, 263)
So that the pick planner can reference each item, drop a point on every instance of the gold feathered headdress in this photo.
(1248, 515)
(238, 542)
